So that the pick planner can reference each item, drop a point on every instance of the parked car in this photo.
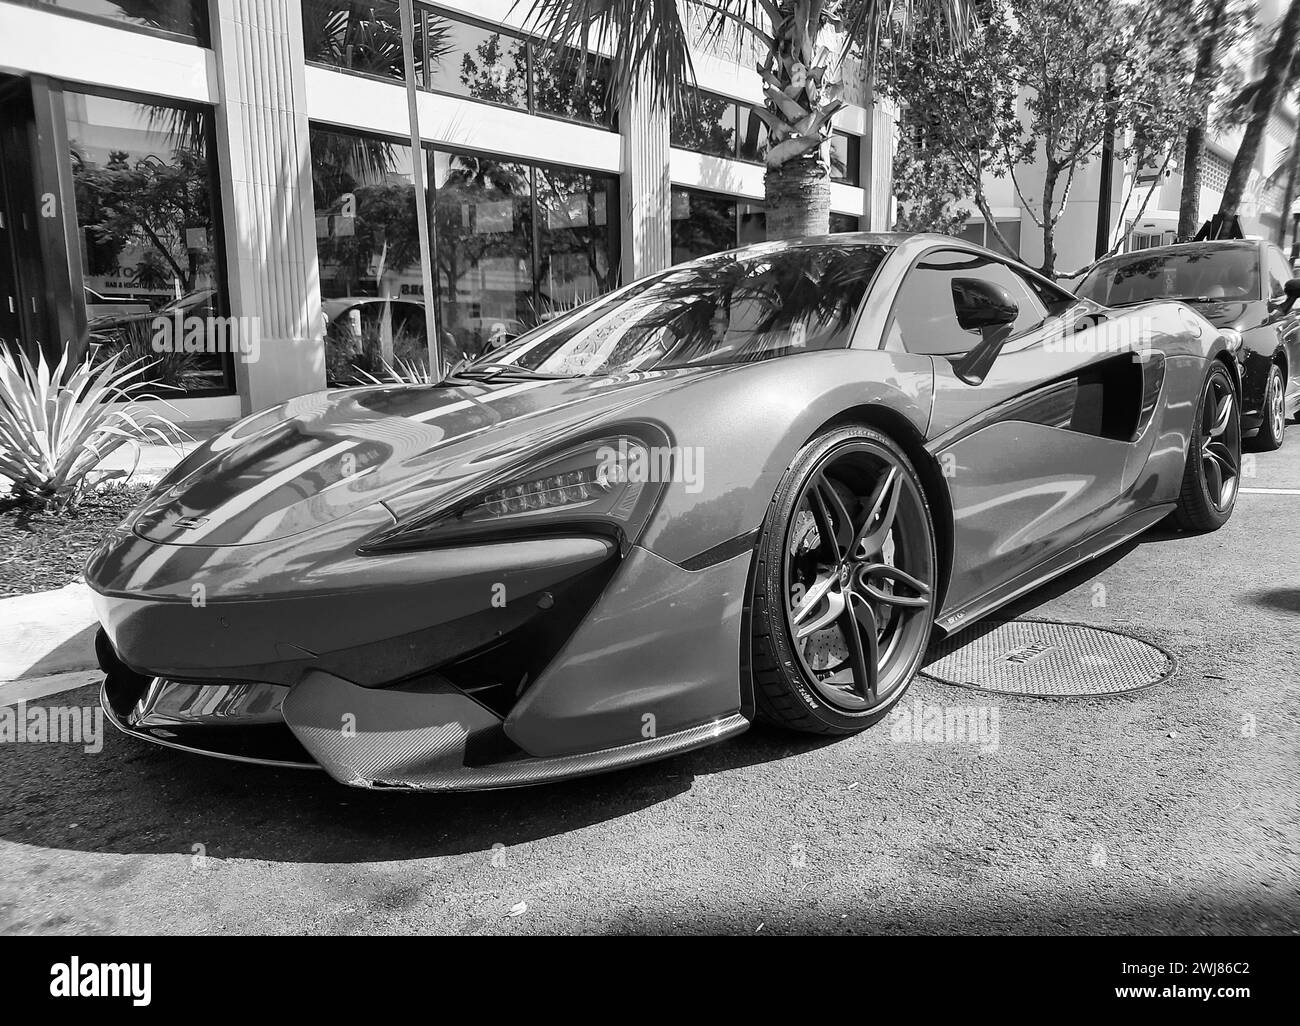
(747, 486)
(1248, 286)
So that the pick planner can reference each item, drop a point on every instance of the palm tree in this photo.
(804, 44)
(1207, 59)
(1264, 95)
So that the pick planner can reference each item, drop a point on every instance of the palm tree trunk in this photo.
(1279, 61)
(1288, 193)
(1189, 202)
(798, 198)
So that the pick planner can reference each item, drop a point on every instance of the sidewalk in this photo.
(47, 640)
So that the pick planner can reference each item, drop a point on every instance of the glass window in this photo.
(1279, 272)
(734, 310)
(362, 37)
(479, 63)
(845, 222)
(146, 190)
(185, 18)
(484, 226)
(567, 85)
(702, 223)
(752, 224)
(1191, 272)
(577, 239)
(924, 315)
(844, 158)
(752, 135)
(710, 127)
(367, 239)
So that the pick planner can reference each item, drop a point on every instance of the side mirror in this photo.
(1290, 293)
(981, 304)
(989, 309)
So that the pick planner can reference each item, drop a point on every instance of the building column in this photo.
(877, 163)
(266, 195)
(645, 190)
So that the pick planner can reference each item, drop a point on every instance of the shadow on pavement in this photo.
(134, 798)
(1284, 600)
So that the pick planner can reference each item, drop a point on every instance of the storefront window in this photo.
(361, 37)
(845, 222)
(146, 190)
(577, 238)
(187, 19)
(367, 239)
(484, 225)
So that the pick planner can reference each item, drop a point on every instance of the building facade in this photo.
(250, 163)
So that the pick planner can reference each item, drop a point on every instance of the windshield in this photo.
(1193, 274)
(731, 309)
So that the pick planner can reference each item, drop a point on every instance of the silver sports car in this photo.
(748, 486)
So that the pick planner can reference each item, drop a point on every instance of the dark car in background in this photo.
(1246, 285)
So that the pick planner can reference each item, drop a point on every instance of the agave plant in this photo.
(57, 427)
(404, 372)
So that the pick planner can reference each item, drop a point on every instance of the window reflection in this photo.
(569, 86)
(702, 223)
(483, 215)
(367, 238)
(707, 127)
(358, 37)
(186, 18)
(845, 158)
(145, 185)
(728, 310)
(466, 60)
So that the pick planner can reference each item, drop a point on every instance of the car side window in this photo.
(1279, 273)
(924, 321)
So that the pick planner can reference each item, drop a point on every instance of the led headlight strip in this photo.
(598, 485)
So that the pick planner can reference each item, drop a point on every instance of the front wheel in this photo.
(844, 590)
(1272, 432)
(1213, 468)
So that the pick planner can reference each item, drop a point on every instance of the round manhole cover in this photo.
(1047, 660)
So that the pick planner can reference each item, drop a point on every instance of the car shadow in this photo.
(134, 798)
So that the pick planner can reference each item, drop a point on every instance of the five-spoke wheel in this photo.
(845, 599)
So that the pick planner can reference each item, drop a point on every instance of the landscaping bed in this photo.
(41, 551)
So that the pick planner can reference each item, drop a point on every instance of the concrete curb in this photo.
(50, 632)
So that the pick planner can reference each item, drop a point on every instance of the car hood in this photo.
(324, 456)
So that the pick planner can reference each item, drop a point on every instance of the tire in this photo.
(849, 529)
(1212, 471)
(1272, 432)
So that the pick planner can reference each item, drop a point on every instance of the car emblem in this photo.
(188, 523)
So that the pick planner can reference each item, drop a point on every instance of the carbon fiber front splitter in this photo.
(428, 737)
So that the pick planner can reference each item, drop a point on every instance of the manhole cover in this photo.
(1047, 660)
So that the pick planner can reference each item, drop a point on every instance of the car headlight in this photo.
(608, 485)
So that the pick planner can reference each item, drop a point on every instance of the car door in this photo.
(1284, 320)
(1034, 455)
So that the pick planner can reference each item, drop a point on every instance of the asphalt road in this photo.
(1174, 810)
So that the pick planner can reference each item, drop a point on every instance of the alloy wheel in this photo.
(859, 577)
(1221, 443)
(1277, 401)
